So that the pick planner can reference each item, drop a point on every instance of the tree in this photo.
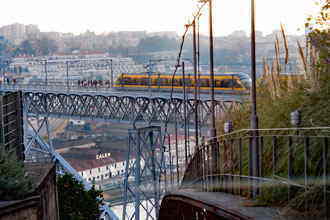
(319, 37)
(14, 184)
(46, 46)
(76, 203)
(26, 47)
(156, 43)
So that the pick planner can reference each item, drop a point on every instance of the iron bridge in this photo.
(121, 108)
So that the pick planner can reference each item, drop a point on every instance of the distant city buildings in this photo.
(17, 33)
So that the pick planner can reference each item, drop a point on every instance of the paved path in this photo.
(238, 204)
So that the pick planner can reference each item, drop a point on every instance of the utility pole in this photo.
(46, 77)
(185, 113)
(111, 73)
(196, 83)
(254, 149)
(149, 73)
(67, 75)
(213, 129)
(215, 150)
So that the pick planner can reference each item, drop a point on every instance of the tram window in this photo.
(204, 83)
(163, 82)
(125, 80)
(138, 81)
(218, 83)
(176, 82)
(168, 82)
(131, 81)
(155, 81)
(188, 82)
(236, 84)
(180, 82)
(227, 83)
(143, 81)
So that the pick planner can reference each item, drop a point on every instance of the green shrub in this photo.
(76, 203)
(14, 184)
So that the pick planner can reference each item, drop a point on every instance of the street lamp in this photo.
(254, 147)
(295, 118)
(46, 73)
(228, 127)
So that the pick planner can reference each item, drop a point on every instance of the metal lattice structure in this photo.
(143, 179)
(11, 126)
(145, 144)
(121, 108)
(40, 149)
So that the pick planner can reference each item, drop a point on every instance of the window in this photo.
(226, 83)
(236, 84)
(218, 83)
(99, 169)
(205, 83)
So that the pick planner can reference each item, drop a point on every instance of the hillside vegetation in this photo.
(277, 96)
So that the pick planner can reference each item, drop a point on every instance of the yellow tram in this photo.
(224, 82)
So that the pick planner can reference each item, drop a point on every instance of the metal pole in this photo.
(67, 75)
(196, 83)
(213, 132)
(46, 78)
(176, 149)
(185, 114)
(111, 73)
(170, 155)
(137, 175)
(149, 73)
(3, 74)
(213, 129)
(254, 117)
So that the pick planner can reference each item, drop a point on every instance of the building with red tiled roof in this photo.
(96, 166)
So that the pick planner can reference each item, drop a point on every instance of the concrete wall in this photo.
(43, 206)
(27, 209)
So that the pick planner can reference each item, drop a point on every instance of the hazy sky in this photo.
(152, 15)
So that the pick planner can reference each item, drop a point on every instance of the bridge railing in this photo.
(56, 86)
(293, 166)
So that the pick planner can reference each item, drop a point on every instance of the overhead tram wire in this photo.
(198, 68)
(181, 46)
(198, 14)
(174, 73)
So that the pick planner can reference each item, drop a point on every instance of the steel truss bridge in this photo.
(122, 107)
(114, 106)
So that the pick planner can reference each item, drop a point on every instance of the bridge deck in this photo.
(233, 204)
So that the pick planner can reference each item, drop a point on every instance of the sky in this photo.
(77, 16)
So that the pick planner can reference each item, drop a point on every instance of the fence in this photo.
(292, 164)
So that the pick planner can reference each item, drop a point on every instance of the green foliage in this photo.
(274, 112)
(26, 47)
(76, 203)
(156, 43)
(14, 184)
(319, 37)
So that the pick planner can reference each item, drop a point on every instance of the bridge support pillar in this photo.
(144, 169)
